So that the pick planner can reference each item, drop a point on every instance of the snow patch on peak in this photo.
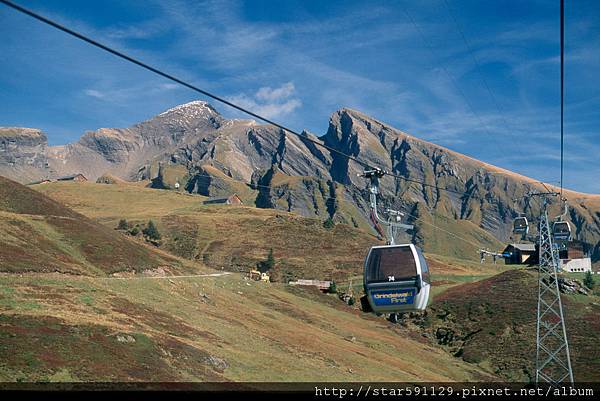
(197, 108)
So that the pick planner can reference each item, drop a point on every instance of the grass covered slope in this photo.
(237, 237)
(458, 239)
(492, 323)
(202, 329)
(223, 237)
(38, 234)
(19, 199)
(208, 328)
(134, 328)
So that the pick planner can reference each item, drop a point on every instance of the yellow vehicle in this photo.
(258, 276)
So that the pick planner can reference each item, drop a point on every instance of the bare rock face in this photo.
(23, 153)
(478, 192)
(113, 144)
(23, 147)
(129, 153)
(193, 145)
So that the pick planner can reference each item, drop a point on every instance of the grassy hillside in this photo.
(202, 329)
(235, 238)
(38, 234)
(224, 237)
(492, 323)
(458, 239)
(480, 325)
(19, 199)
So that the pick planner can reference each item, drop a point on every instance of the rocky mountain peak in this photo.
(364, 132)
(185, 117)
(355, 133)
(194, 108)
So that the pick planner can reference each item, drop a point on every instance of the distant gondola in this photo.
(396, 279)
(521, 225)
(561, 231)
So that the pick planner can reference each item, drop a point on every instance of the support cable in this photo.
(242, 109)
(562, 79)
(206, 93)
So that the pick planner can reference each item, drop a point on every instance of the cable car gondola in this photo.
(561, 231)
(396, 279)
(521, 225)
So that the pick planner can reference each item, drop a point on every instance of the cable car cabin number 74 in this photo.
(396, 279)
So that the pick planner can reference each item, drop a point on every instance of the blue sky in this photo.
(493, 95)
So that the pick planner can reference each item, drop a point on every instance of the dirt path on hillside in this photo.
(162, 277)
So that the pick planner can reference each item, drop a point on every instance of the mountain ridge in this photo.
(56, 151)
(186, 142)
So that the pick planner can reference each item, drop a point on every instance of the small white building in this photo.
(574, 258)
(580, 265)
(320, 284)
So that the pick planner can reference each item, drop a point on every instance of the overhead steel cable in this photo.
(206, 93)
(224, 101)
(231, 104)
(562, 79)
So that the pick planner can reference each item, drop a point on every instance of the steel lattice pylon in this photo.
(553, 362)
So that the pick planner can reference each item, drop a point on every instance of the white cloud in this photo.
(170, 86)
(270, 102)
(117, 93)
(142, 30)
(269, 94)
(94, 93)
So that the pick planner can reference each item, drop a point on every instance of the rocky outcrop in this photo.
(23, 153)
(22, 146)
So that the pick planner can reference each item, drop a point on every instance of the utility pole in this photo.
(553, 361)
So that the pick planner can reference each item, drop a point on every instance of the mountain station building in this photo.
(225, 200)
(573, 257)
(75, 177)
(519, 254)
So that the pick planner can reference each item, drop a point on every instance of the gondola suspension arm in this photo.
(562, 216)
(394, 217)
